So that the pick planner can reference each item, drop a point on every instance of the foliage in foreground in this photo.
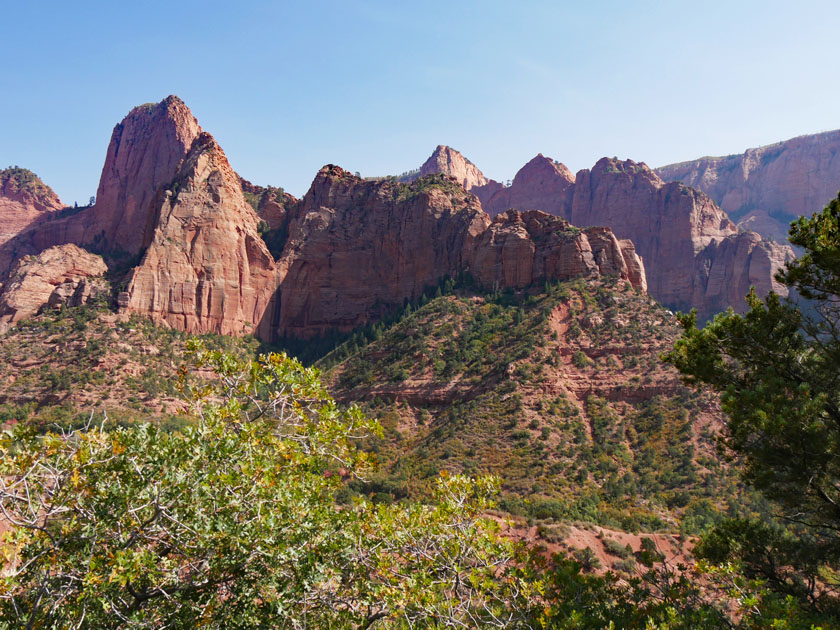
(233, 523)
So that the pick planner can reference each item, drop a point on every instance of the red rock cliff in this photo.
(669, 225)
(24, 200)
(345, 253)
(206, 269)
(143, 156)
(358, 246)
(765, 188)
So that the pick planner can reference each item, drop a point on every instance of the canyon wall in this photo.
(765, 188)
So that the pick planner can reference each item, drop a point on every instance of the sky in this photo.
(375, 86)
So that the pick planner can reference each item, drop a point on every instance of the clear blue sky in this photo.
(374, 86)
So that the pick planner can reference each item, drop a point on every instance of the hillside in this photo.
(60, 366)
(560, 393)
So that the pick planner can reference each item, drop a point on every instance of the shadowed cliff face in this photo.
(694, 255)
(765, 188)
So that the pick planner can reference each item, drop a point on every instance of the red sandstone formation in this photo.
(521, 249)
(207, 268)
(24, 200)
(766, 188)
(60, 275)
(169, 200)
(356, 244)
(142, 160)
(670, 225)
(542, 184)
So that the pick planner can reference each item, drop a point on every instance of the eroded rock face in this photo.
(542, 184)
(668, 224)
(726, 269)
(767, 187)
(143, 156)
(24, 200)
(448, 161)
(206, 269)
(357, 247)
(215, 253)
(62, 275)
(520, 249)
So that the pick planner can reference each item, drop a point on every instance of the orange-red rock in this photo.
(24, 200)
(521, 249)
(357, 247)
(669, 226)
(347, 252)
(542, 184)
(206, 269)
(143, 156)
(60, 275)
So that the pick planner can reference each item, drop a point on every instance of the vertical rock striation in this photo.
(206, 268)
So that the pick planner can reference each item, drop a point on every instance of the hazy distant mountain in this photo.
(765, 188)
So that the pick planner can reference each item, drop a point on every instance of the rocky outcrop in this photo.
(765, 188)
(448, 161)
(671, 225)
(212, 252)
(206, 268)
(24, 200)
(143, 158)
(542, 184)
(668, 224)
(358, 247)
(63, 275)
(727, 268)
(521, 249)
(271, 204)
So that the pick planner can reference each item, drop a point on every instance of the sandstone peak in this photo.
(357, 247)
(450, 162)
(542, 184)
(543, 168)
(142, 159)
(206, 267)
(24, 201)
(613, 165)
